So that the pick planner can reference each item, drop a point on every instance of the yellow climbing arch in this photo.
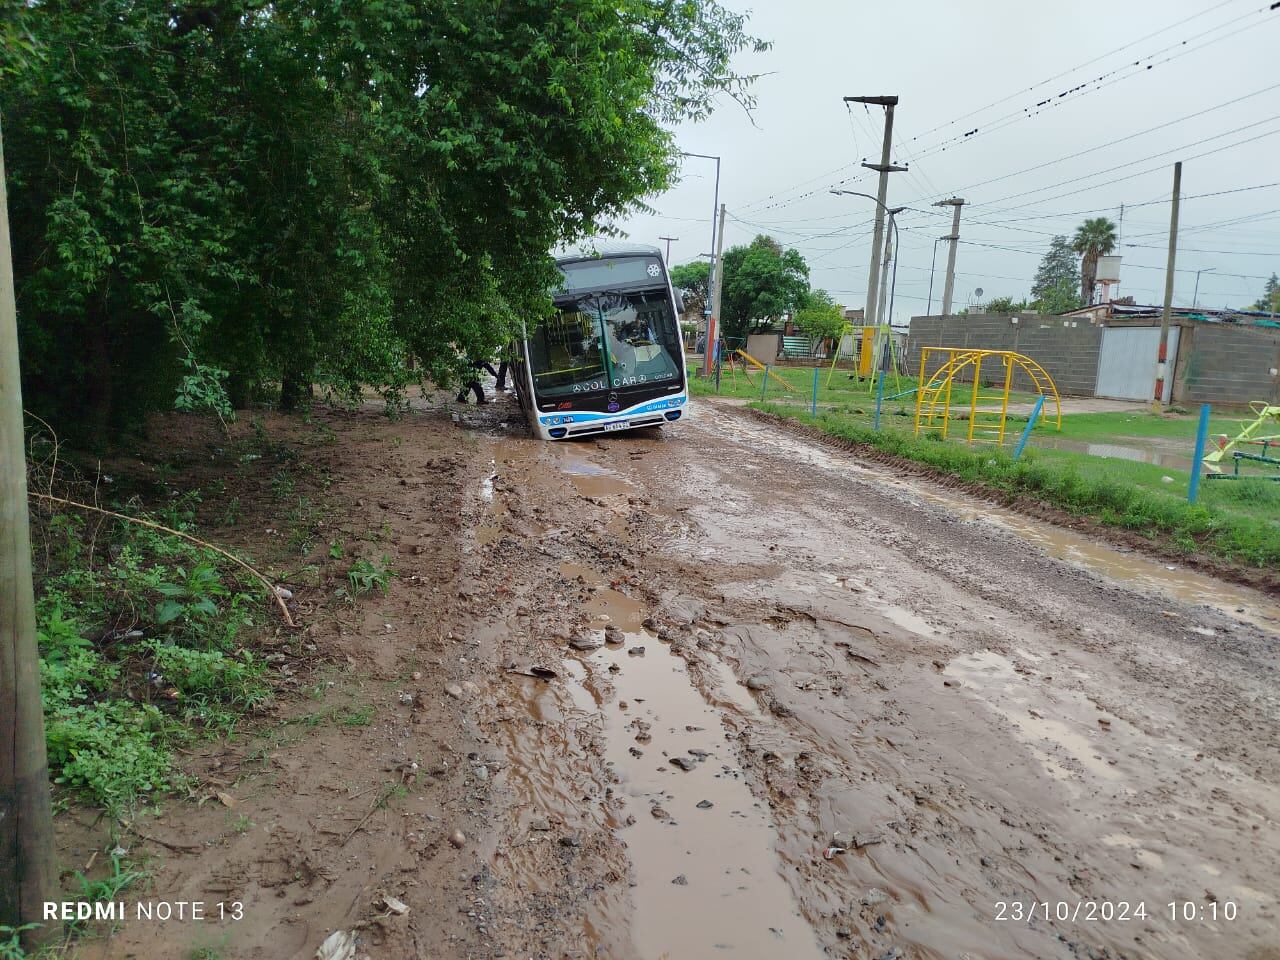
(987, 412)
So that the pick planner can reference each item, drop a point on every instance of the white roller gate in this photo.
(1127, 363)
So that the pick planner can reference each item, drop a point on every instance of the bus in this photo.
(610, 357)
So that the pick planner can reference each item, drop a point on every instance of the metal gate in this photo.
(1127, 363)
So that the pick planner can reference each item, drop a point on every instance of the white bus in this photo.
(611, 356)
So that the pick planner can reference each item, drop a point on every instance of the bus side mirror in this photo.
(679, 295)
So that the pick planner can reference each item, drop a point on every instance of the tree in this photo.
(1270, 300)
(761, 283)
(214, 198)
(1094, 238)
(692, 278)
(1002, 305)
(819, 316)
(1057, 279)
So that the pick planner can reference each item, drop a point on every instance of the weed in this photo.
(138, 652)
(282, 485)
(231, 513)
(366, 576)
(357, 718)
(204, 953)
(241, 824)
(335, 550)
(11, 941)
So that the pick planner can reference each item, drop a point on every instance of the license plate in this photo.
(618, 425)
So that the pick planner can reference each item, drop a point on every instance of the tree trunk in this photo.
(1088, 273)
(295, 391)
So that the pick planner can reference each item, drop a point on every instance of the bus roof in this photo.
(592, 249)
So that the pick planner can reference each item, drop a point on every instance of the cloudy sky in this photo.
(1162, 81)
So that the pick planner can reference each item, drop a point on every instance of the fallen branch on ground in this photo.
(271, 588)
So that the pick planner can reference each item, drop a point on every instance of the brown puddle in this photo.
(591, 479)
(706, 880)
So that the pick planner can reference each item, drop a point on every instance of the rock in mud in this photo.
(873, 897)
(684, 763)
(613, 636)
(758, 682)
(659, 813)
(458, 839)
(705, 804)
(587, 642)
(636, 651)
(681, 881)
(453, 690)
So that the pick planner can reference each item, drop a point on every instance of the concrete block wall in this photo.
(1068, 352)
(1221, 363)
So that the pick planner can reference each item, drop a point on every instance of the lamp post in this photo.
(871, 314)
(715, 266)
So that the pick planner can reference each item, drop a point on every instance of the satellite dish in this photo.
(978, 292)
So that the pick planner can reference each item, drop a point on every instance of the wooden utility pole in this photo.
(27, 877)
(1157, 402)
(668, 239)
(713, 321)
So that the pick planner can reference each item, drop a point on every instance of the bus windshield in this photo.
(606, 341)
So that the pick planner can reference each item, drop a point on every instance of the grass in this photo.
(836, 388)
(142, 649)
(1234, 520)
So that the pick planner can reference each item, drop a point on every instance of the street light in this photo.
(1195, 297)
(711, 274)
(871, 313)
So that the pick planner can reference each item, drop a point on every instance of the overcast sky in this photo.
(949, 63)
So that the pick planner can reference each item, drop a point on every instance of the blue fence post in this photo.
(1202, 434)
(765, 385)
(813, 407)
(879, 400)
(1031, 423)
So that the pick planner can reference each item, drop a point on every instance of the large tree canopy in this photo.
(1056, 288)
(761, 283)
(212, 196)
(693, 279)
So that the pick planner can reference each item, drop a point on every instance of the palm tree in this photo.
(1094, 238)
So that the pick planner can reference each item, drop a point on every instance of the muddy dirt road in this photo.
(1019, 756)
(720, 691)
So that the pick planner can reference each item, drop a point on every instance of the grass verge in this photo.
(1249, 537)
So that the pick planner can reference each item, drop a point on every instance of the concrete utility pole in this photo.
(949, 286)
(668, 239)
(713, 322)
(1157, 402)
(1195, 297)
(27, 876)
(884, 168)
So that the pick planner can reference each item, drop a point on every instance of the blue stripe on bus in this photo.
(586, 416)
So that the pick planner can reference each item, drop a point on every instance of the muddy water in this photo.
(1238, 602)
(704, 869)
(1119, 451)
